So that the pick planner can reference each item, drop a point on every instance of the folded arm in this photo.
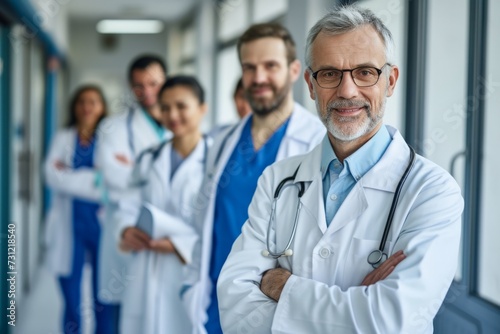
(114, 157)
(81, 183)
(405, 301)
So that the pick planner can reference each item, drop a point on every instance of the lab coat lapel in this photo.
(161, 168)
(353, 206)
(297, 140)
(144, 135)
(69, 148)
(182, 175)
(312, 200)
(217, 163)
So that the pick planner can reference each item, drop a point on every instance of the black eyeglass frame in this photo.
(379, 72)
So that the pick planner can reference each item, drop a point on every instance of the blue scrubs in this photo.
(234, 194)
(86, 234)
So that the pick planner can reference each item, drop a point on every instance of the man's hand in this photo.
(123, 159)
(273, 281)
(385, 269)
(133, 239)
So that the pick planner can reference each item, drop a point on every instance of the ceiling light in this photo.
(129, 26)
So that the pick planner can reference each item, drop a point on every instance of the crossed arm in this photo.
(400, 296)
(274, 280)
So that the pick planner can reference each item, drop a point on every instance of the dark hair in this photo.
(186, 81)
(76, 96)
(262, 30)
(143, 61)
(239, 86)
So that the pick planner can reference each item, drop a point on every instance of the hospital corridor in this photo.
(249, 166)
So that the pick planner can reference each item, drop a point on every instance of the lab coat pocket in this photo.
(357, 266)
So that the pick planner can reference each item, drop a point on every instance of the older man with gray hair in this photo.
(359, 235)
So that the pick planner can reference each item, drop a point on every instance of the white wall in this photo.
(92, 63)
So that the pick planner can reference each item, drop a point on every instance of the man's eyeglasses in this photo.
(364, 76)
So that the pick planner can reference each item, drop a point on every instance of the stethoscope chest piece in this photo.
(376, 258)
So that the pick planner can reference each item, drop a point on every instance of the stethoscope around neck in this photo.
(287, 251)
(375, 258)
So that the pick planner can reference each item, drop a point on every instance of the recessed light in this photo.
(129, 26)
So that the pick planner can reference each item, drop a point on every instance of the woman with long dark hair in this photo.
(73, 229)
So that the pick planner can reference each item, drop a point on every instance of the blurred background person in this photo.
(277, 128)
(73, 229)
(169, 176)
(243, 108)
(123, 137)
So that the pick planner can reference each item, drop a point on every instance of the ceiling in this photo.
(166, 10)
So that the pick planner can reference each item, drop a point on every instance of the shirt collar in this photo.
(327, 155)
(363, 159)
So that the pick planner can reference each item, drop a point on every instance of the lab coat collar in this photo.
(294, 132)
(295, 127)
(162, 164)
(388, 170)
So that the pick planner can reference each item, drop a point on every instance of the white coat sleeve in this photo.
(81, 183)
(130, 201)
(243, 307)
(195, 288)
(180, 233)
(113, 141)
(405, 302)
(126, 213)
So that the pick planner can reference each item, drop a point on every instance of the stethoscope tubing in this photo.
(380, 255)
(272, 217)
(395, 200)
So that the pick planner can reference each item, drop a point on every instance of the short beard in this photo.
(264, 109)
(351, 129)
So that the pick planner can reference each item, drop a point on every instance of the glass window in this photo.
(228, 73)
(189, 42)
(393, 14)
(233, 18)
(265, 10)
(446, 86)
(489, 248)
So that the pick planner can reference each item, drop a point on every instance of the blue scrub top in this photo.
(234, 194)
(85, 212)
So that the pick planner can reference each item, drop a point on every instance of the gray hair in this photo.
(347, 18)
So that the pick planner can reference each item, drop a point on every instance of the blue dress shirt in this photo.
(339, 178)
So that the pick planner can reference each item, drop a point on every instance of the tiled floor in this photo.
(41, 310)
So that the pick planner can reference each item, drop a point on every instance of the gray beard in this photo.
(351, 129)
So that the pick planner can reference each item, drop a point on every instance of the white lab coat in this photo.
(117, 137)
(151, 303)
(329, 263)
(66, 185)
(303, 133)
